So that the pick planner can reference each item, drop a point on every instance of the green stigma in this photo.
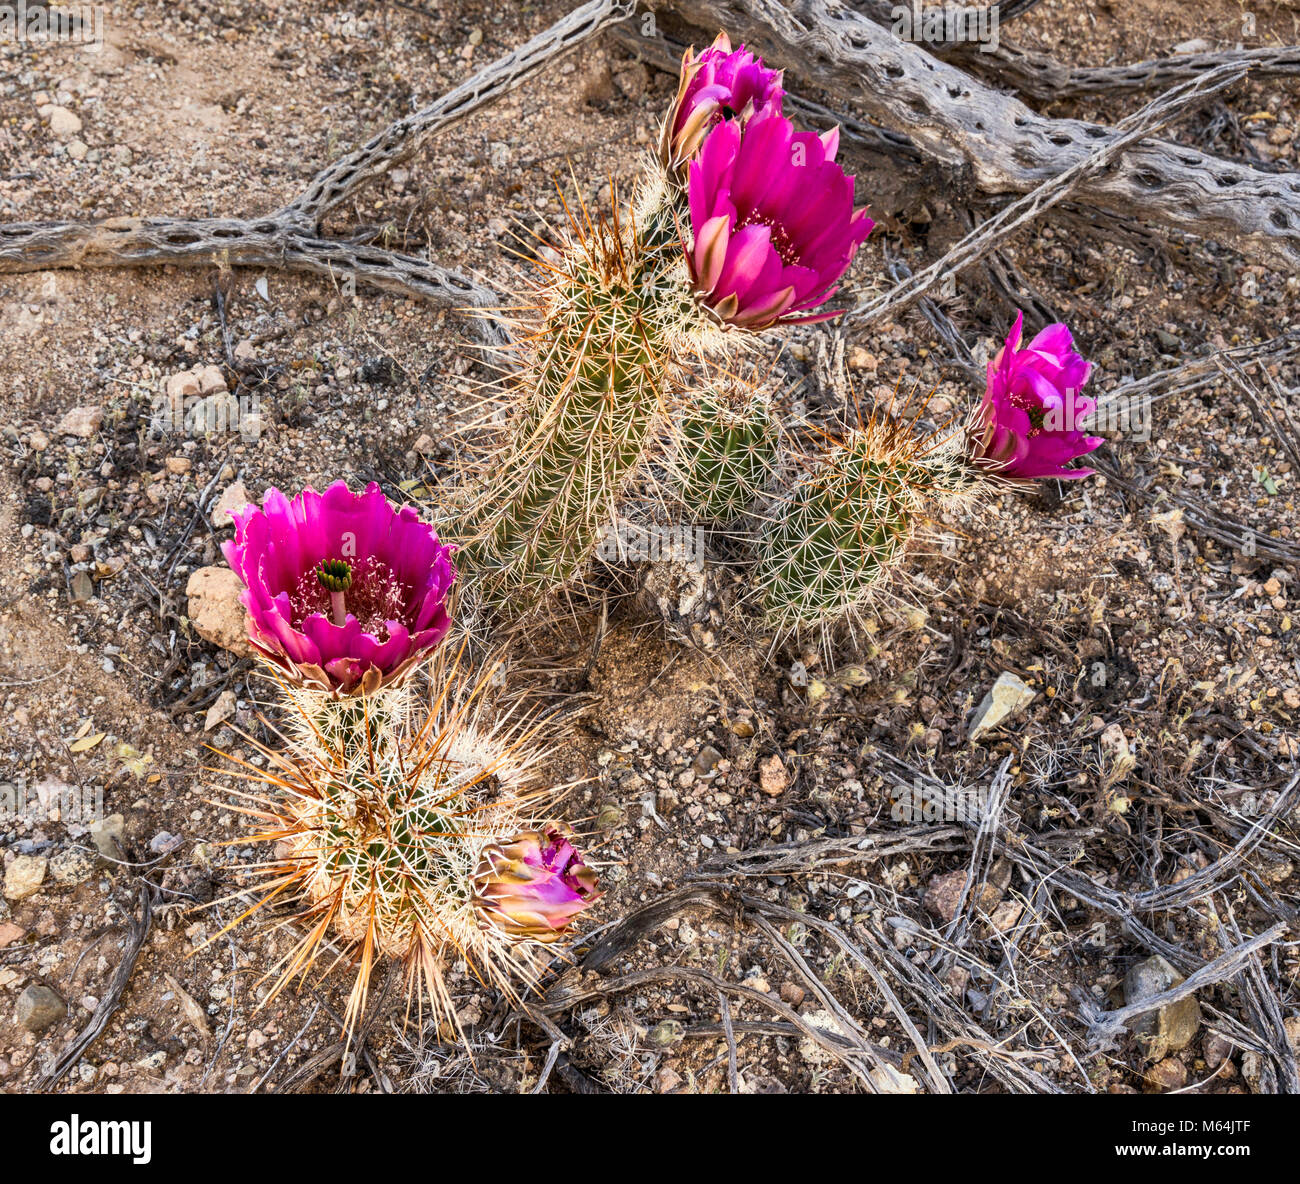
(335, 574)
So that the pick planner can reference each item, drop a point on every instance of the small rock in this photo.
(233, 497)
(109, 836)
(424, 445)
(1216, 1049)
(944, 892)
(178, 464)
(73, 866)
(38, 1008)
(63, 123)
(81, 421)
(666, 1080)
(38, 441)
(83, 587)
(707, 761)
(1167, 1029)
(1165, 1075)
(10, 933)
(772, 777)
(220, 711)
(1196, 45)
(165, 842)
(212, 381)
(214, 609)
(24, 877)
(182, 386)
(792, 993)
(1008, 696)
(78, 149)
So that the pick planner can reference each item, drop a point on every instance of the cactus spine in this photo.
(380, 811)
(842, 529)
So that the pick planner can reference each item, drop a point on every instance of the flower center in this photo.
(781, 241)
(1032, 408)
(368, 590)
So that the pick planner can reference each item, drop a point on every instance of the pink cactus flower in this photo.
(1028, 426)
(344, 592)
(773, 221)
(721, 84)
(533, 886)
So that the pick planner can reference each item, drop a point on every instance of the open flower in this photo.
(344, 592)
(1028, 426)
(773, 221)
(721, 84)
(533, 885)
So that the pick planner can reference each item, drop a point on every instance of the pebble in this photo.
(1008, 696)
(214, 609)
(39, 1008)
(78, 150)
(706, 761)
(1169, 1028)
(178, 464)
(72, 866)
(232, 497)
(772, 776)
(1165, 1075)
(109, 836)
(24, 877)
(63, 123)
(81, 421)
(10, 933)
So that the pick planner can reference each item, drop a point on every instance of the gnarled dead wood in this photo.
(232, 242)
(1003, 225)
(1042, 76)
(1006, 146)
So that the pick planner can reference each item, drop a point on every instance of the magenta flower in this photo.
(344, 592)
(721, 84)
(773, 220)
(1028, 426)
(533, 886)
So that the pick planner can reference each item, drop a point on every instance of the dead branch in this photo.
(230, 242)
(1010, 219)
(137, 932)
(1006, 146)
(1104, 1027)
(399, 141)
(1042, 76)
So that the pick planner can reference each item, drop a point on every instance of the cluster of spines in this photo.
(830, 544)
(726, 450)
(587, 406)
(379, 813)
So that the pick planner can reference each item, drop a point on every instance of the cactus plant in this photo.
(726, 450)
(833, 540)
(743, 223)
(387, 814)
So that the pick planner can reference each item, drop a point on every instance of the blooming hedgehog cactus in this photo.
(406, 832)
(827, 551)
(743, 224)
